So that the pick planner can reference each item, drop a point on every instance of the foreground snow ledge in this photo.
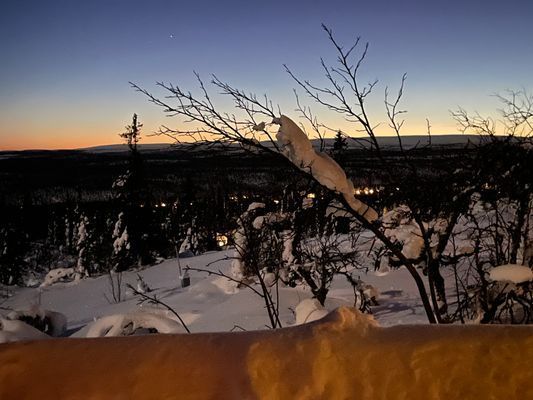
(343, 356)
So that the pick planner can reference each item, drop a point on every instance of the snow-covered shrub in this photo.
(488, 254)
(505, 297)
(256, 242)
(257, 259)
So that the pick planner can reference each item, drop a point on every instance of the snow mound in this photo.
(50, 322)
(127, 324)
(297, 147)
(57, 275)
(15, 330)
(511, 273)
(309, 310)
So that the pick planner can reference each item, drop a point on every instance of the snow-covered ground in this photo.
(211, 303)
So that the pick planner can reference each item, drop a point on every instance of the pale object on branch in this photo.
(297, 147)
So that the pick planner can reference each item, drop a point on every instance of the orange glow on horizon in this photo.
(56, 138)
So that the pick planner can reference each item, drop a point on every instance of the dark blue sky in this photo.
(66, 64)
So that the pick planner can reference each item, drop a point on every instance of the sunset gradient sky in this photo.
(65, 64)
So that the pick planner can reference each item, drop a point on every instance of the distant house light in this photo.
(163, 204)
(276, 201)
(310, 195)
(222, 240)
(357, 191)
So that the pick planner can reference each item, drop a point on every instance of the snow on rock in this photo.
(57, 275)
(127, 324)
(297, 147)
(15, 330)
(511, 273)
(309, 310)
(343, 356)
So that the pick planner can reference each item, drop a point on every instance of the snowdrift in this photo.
(343, 356)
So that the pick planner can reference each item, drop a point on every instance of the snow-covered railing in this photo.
(343, 356)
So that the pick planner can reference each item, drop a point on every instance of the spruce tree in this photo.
(130, 228)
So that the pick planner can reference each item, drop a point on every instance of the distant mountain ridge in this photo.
(388, 142)
(354, 143)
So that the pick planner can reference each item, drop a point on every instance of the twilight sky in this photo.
(65, 65)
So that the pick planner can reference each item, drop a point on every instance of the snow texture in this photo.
(297, 147)
(343, 356)
(511, 273)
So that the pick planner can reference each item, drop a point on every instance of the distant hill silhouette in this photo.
(384, 141)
